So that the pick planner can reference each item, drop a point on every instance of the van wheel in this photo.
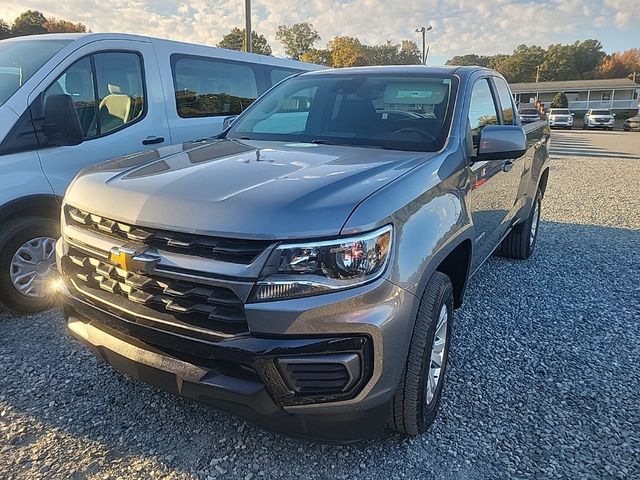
(416, 401)
(27, 264)
(520, 242)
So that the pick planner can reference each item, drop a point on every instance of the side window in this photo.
(120, 90)
(506, 100)
(208, 87)
(119, 99)
(291, 117)
(482, 109)
(77, 81)
(278, 74)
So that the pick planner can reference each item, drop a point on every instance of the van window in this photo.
(119, 98)
(278, 74)
(207, 87)
(20, 59)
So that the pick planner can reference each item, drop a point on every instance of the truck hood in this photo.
(242, 189)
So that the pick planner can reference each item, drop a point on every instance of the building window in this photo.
(606, 96)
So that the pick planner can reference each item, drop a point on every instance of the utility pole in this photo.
(248, 47)
(538, 73)
(424, 31)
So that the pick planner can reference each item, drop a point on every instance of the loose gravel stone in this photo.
(543, 379)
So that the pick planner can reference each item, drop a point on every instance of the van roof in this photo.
(90, 37)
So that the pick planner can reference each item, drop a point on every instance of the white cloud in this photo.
(460, 26)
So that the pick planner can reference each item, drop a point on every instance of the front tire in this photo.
(416, 401)
(27, 264)
(521, 240)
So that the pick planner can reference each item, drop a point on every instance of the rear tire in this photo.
(521, 240)
(27, 262)
(416, 401)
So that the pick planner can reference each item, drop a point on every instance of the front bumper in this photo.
(220, 383)
(608, 124)
(560, 123)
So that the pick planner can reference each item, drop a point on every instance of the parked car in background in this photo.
(632, 123)
(599, 118)
(67, 101)
(560, 117)
(302, 270)
(529, 115)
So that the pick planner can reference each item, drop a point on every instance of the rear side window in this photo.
(482, 109)
(107, 89)
(207, 87)
(278, 74)
(506, 101)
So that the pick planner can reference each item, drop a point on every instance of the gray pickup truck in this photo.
(302, 269)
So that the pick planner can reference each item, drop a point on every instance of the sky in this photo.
(459, 26)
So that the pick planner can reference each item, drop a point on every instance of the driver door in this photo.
(117, 93)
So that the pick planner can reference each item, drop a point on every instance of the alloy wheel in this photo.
(434, 375)
(32, 266)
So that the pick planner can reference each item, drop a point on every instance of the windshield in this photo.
(529, 111)
(19, 60)
(600, 112)
(559, 111)
(384, 111)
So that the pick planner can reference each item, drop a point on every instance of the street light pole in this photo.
(424, 31)
(247, 26)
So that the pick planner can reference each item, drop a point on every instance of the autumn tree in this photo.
(317, 56)
(612, 67)
(347, 52)
(5, 30)
(54, 25)
(234, 40)
(30, 22)
(298, 39)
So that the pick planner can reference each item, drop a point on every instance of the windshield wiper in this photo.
(322, 142)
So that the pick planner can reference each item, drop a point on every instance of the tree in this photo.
(54, 25)
(30, 22)
(588, 55)
(560, 100)
(5, 30)
(234, 40)
(347, 52)
(631, 60)
(560, 63)
(297, 39)
(317, 56)
(612, 67)
(521, 65)
(469, 60)
(409, 53)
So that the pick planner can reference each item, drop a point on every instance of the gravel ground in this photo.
(543, 380)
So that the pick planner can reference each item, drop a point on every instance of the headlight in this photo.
(312, 268)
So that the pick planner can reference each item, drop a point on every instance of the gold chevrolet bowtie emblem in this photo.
(133, 258)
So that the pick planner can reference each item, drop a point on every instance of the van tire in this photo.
(411, 414)
(13, 235)
(519, 244)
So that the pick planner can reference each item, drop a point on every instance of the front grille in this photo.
(213, 308)
(218, 248)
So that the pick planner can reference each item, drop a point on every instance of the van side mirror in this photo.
(228, 121)
(501, 142)
(61, 125)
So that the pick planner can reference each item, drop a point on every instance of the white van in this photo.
(68, 101)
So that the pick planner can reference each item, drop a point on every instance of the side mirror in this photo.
(572, 114)
(228, 121)
(613, 114)
(501, 142)
(61, 124)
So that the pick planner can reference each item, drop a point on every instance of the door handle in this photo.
(152, 140)
(508, 165)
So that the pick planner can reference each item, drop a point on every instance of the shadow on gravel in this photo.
(543, 383)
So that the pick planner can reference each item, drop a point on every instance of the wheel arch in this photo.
(33, 205)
